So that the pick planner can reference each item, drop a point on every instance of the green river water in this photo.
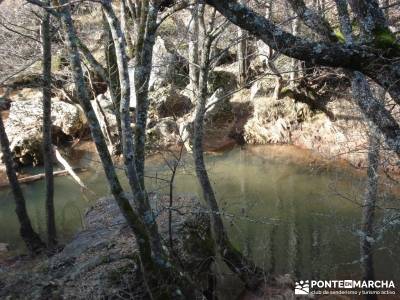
(288, 214)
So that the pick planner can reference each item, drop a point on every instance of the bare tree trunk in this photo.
(130, 215)
(245, 269)
(112, 75)
(29, 236)
(385, 4)
(138, 190)
(47, 140)
(294, 62)
(176, 285)
(332, 54)
(370, 18)
(242, 54)
(270, 56)
(344, 20)
(162, 279)
(362, 94)
(368, 213)
(194, 50)
(125, 29)
(143, 65)
(104, 75)
(373, 109)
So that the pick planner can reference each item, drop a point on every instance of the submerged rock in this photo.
(24, 127)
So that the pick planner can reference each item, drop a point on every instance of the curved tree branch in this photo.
(382, 65)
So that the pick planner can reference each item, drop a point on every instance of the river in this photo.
(289, 211)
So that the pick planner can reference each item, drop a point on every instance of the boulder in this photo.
(218, 107)
(104, 109)
(222, 77)
(25, 94)
(273, 120)
(101, 262)
(219, 122)
(262, 88)
(168, 66)
(163, 134)
(168, 102)
(24, 127)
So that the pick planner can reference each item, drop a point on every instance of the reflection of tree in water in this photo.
(368, 211)
(287, 211)
(245, 210)
(65, 220)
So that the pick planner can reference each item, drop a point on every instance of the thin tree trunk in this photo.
(68, 168)
(37, 177)
(242, 54)
(362, 94)
(294, 62)
(138, 190)
(385, 4)
(344, 20)
(270, 57)
(156, 266)
(143, 66)
(322, 53)
(245, 269)
(133, 220)
(47, 133)
(368, 212)
(162, 279)
(194, 50)
(125, 29)
(104, 75)
(29, 236)
(112, 74)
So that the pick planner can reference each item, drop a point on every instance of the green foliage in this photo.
(384, 38)
(339, 35)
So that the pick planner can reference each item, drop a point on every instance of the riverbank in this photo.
(269, 195)
(101, 261)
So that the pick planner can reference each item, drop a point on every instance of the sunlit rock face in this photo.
(168, 65)
(273, 120)
(24, 127)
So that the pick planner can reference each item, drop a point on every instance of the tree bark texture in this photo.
(29, 236)
(47, 133)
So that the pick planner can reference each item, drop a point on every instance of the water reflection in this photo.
(283, 212)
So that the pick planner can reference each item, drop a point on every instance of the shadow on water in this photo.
(287, 214)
